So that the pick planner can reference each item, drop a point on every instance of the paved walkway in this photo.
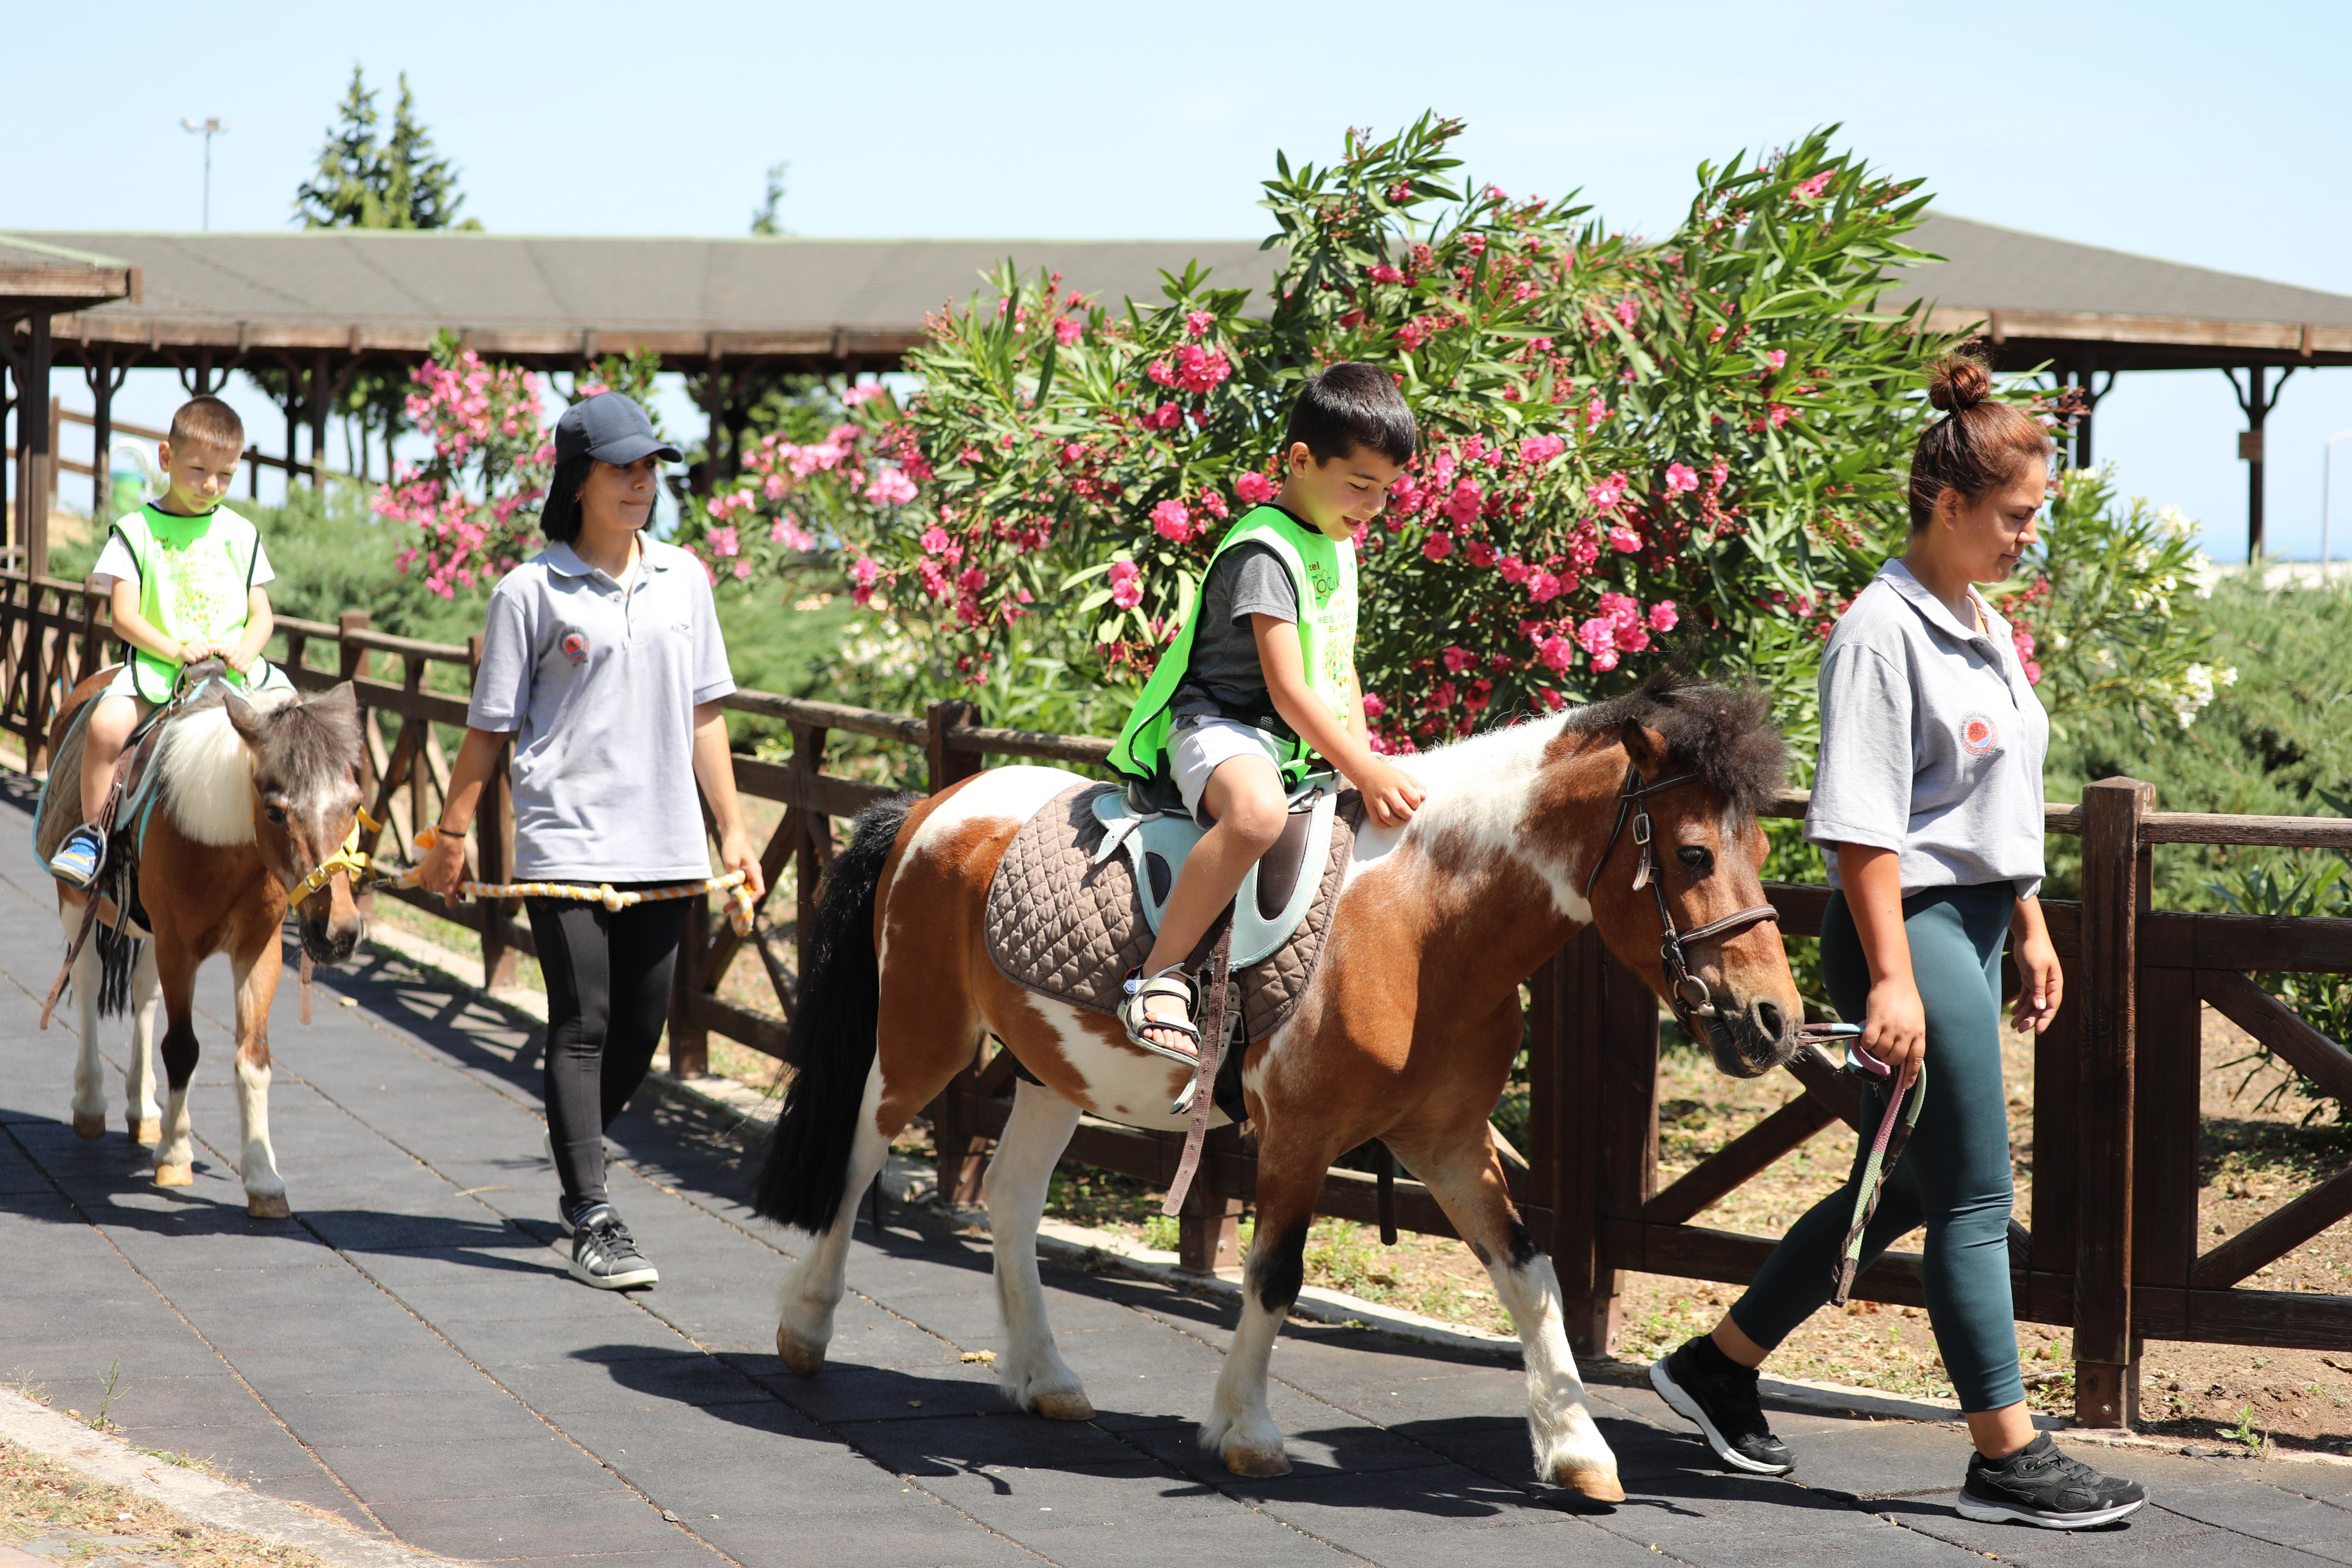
(408, 1353)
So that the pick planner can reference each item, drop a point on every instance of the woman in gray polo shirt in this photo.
(1927, 799)
(602, 661)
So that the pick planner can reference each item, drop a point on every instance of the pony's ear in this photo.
(1645, 748)
(337, 702)
(244, 719)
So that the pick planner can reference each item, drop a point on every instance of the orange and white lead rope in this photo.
(739, 909)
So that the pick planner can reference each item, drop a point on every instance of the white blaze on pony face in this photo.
(1479, 794)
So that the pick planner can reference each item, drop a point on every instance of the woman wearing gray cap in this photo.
(602, 660)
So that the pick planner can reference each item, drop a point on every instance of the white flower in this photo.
(2103, 659)
(2060, 642)
(2177, 522)
(2227, 675)
(2196, 690)
(2202, 575)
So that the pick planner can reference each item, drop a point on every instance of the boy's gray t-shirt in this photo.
(1223, 676)
(598, 687)
(1932, 741)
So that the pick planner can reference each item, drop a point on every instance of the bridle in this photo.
(1685, 992)
(350, 858)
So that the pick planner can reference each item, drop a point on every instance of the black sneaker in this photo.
(2038, 1485)
(604, 1255)
(1708, 1388)
(565, 1209)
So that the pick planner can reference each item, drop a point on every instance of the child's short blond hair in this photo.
(208, 422)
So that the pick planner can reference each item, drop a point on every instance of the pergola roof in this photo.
(556, 299)
(39, 277)
(2051, 299)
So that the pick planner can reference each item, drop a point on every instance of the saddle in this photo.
(1079, 897)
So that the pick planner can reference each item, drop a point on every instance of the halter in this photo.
(1686, 994)
(351, 857)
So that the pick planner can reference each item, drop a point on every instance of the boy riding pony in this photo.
(1262, 679)
(185, 574)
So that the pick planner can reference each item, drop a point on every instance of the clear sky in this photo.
(2214, 135)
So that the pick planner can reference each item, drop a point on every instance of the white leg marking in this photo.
(265, 1191)
(1032, 1373)
(90, 1071)
(1570, 1449)
(813, 1287)
(139, 1083)
(1240, 1427)
(176, 1153)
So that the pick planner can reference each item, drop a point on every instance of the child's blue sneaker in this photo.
(80, 860)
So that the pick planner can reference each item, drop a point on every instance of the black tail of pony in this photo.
(831, 1047)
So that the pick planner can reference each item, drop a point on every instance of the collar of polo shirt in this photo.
(1934, 610)
(564, 561)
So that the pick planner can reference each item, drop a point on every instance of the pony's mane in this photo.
(205, 769)
(1724, 734)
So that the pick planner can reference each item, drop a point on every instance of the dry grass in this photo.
(47, 1509)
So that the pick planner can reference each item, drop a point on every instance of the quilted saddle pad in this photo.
(1065, 928)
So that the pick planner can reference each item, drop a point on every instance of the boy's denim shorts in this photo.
(1203, 742)
(265, 677)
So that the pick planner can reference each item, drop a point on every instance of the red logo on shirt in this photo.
(575, 647)
(1977, 736)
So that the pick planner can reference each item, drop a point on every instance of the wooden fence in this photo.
(2114, 1249)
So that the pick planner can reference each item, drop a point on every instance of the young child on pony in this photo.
(185, 578)
(1262, 678)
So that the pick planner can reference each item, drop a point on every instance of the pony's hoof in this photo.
(1600, 1486)
(176, 1175)
(806, 1361)
(88, 1127)
(1064, 1406)
(1258, 1464)
(268, 1205)
(145, 1131)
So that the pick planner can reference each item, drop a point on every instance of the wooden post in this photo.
(33, 477)
(1209, 1230)
(320, 390)
(2116, 877)
(493, 847)
(689, 1042)
(956, 1144)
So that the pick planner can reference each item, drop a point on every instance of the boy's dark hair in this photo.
(559, 515)
(1351, 405)
(208, 422)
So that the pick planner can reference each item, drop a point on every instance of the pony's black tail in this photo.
(831, 1046)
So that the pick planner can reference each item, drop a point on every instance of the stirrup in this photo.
(79, 871)
(1169, 982)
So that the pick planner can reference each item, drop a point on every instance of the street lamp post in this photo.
(210, 126)
(2327, 473)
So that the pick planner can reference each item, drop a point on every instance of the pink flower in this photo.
(890, 488)
(1373, 705)
(1480, 553)
(1543, 587)
(1197, 322)
(743, 570)
(1776, 358)
(1619, 610)
(788, 533)
(1595, 411)
(1167, 416)
(1597, 637)
(1160, 371)
(1066, 330)
(1255, 489)
(1555, 653)
(935, 539)
(865, 572)
(1780, 414)
(1437, 546)
(1681, 477)
(1810, 191)
(865, 393)
(1462, 506)
(1126, 584)
(1513, 569)
(724, 543)
(1663, 615)
(1623, 540)
(1627, 311)
(1537, 450)
(1170, 520)
(1199, 369)
(1458, 660)
(1606, 495)
(1213, 504)
(1384, 273)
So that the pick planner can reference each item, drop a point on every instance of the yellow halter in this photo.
(351, 857)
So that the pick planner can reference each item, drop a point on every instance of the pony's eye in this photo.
(1698, 860)
(276, 814)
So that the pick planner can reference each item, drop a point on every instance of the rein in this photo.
(1685, 992)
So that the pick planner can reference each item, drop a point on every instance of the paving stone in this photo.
(319, 1491)
(1089, 1517)
(248, 1453)
(614, 1522)
(358, 1370)
(431, 1472)
(504, 1341)
(559, 1387)
(367, 1420)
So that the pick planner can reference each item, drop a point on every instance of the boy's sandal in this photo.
(1168, 982)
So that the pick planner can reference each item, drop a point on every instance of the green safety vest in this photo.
(1323, 572)
(195, 582)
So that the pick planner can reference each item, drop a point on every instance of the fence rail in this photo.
(2115, 1243)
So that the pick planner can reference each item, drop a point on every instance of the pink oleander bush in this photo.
(475, 501)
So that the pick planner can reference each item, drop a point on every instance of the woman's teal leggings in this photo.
(1954, 1177)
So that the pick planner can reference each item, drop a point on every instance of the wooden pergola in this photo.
(2088, 314)
(38, 283)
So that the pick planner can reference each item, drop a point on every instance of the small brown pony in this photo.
(251, 799)
(1406, 1032)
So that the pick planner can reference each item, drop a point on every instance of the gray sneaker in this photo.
(604, 1255)
(2038, 1485)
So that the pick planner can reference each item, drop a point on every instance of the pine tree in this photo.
(763, 217)
(420, 186)
(342, 192)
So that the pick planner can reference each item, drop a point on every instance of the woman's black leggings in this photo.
(1954, 1178)
(608, 975)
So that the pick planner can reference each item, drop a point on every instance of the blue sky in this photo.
(2216, 136)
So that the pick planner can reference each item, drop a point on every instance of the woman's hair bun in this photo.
(1958, 383)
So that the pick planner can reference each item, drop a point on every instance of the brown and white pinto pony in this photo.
(254, 796)
(1406, 1032)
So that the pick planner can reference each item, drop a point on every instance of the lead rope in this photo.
(1885, 1150)
(741, 910)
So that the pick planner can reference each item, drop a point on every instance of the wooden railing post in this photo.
(2115, 878)
(493, 837)
(952, 1135)
(1209, 1230)
(689, 1042)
